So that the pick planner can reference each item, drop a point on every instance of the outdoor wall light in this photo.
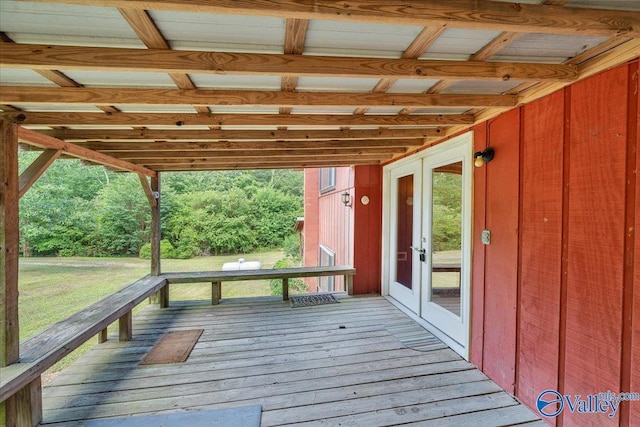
(346, 199)
(484, 156)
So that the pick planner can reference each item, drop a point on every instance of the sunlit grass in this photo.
(52, 289)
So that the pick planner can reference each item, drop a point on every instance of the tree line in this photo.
(77, 210)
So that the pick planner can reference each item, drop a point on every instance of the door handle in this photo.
(421, 250)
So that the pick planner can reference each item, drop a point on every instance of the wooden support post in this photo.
(28, 404)
(216, 292)
(102, 336)
(285, 288)
(348, 283)
(153, 195)
(125, 327)
(164, 296)
(9, 190)
(155, 226)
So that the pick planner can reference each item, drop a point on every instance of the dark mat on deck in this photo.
(173, 347)
(310, 300)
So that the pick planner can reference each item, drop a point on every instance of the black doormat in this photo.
(309, 300)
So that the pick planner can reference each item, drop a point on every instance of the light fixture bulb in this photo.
(479, 162)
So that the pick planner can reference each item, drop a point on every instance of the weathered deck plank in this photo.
(297, 363)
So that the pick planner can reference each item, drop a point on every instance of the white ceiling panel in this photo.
(459, 44)
(242, 109)
(249, 127)
(321, 110)
(155, 108)
(438, 111)
(233, 33)
(606, 4)
(58, 108)
(481, 87)
(550, 48)
(358, 39)
(12, 76)
(411, 85)
(219, 81)
(65, 25)
(383, 110)
(335, 84)
(120, 78)
(152, 127)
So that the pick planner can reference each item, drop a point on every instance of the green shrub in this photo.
(295, 285)
(166, 250)
(291, 245)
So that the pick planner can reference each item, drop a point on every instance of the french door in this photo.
(429, 239)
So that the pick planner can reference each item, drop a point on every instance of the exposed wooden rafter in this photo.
(143, 147)
(294, 38)
(419, 45)
(516, 17)
(169, 119)
(47, 142)
(129, 96)
(151, 36)
(155, 135)
(169, 61)
(35, 170)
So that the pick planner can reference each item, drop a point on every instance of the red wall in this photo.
(353, 233)
(556, 296)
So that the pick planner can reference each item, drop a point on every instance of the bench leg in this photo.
(285, 289)
(125, 327)
(164, 296)
(24, 409)
(216, 292)
(102, 336)
(348, 282)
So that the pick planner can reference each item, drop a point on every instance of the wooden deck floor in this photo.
(339, 364)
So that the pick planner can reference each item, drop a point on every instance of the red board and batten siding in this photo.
(367, 234)
(501, 257)
(540, 246)
(354, 233)
(478, 250)
(598, 144)
(635, 330)
(564, 174)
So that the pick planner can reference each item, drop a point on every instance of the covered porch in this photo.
(320, 365)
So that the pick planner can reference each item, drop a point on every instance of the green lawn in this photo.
(51, 289)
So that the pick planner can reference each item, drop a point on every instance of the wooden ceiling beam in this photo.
(78, 135)
(173, 147)
(168, 61)
(188, 119)
(473, 14)
(129, 96)
(295, 35)
(257, 154)
(47, 142)
(418, 46)
(150, 34)
(234, 164)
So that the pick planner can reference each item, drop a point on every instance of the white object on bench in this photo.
(242, 264)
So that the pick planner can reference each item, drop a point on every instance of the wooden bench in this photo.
(39, 353)
(217, 277)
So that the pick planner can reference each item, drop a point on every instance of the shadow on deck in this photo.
(359, 362)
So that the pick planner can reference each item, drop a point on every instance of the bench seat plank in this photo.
(281, 273)
(39, 353)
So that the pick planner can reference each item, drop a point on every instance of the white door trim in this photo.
(464, 143)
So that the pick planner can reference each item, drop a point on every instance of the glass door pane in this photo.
(446, 236)
(404, 232)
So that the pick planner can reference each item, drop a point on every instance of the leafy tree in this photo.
(274, 215)
(123, 216)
